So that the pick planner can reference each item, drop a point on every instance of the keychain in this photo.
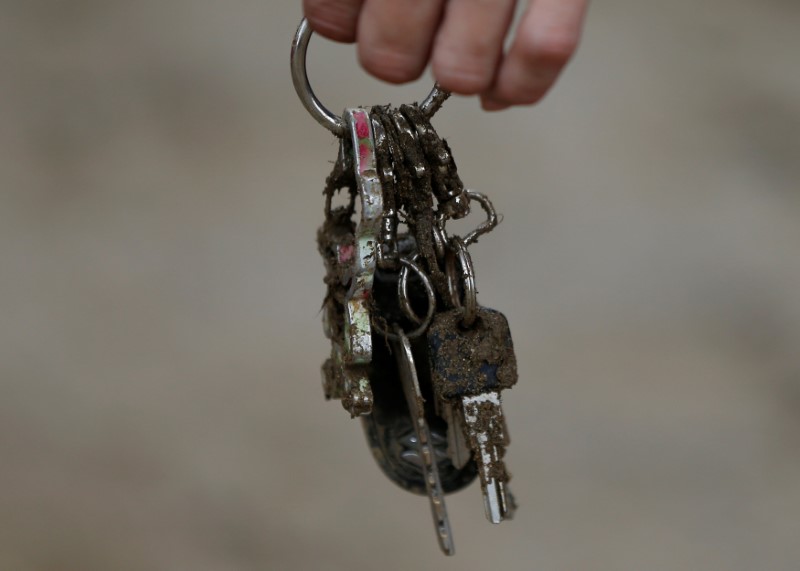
(413, 354)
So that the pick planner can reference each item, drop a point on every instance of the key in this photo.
(469, 368)
(390, 428)
(485, 424)
(458, 448)
(416, 408)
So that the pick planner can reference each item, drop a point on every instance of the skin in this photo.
(462, 40)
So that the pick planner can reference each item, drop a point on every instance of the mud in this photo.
(446, 182)
(417, 172)
(421, 189)
(470, 362)
(488, 424)
(413, 185)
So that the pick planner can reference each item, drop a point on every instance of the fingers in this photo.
(395, 37)
(396, 40)
(469, 44)
(334, 19)
(546, 39)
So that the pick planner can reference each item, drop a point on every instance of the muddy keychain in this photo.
(413, 355)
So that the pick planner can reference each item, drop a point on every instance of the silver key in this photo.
(485, 425)
(416, 408)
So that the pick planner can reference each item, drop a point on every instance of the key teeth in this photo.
(494, 501)
(483, 419)
(505, 506)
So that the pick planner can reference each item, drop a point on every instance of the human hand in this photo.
(463, 41)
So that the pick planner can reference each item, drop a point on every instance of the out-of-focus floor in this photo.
(160, 404)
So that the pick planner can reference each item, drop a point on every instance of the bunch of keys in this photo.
(413, 354)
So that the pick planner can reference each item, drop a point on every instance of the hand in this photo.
(463, 41)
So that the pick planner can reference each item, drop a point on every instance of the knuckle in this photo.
(332, 19)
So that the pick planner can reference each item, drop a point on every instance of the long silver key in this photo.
(416, 408)
(470, 366)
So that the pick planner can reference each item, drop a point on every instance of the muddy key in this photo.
(469, 367)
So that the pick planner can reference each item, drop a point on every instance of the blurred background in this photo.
(160, 341)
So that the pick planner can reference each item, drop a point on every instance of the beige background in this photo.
(160, 405)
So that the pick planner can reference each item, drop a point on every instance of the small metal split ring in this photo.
(402, 291)
(458, 252)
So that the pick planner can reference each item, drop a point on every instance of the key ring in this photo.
(402, 291)
(458, 253)
(318, 111)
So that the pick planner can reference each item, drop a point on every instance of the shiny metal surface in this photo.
(413, 394)
(335, 124)
(483, 416)
(318, 111)
(402, 292)
(363, 260)
(461, 272)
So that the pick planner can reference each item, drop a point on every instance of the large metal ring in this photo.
(318, 111)
(401, 289)
(458, 251)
